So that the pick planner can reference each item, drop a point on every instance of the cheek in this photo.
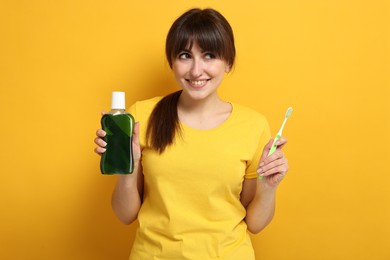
(178, 70)
(218, 68)
(178, 74)
(218, 72)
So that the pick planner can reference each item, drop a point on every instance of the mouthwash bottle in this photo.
(119, 126)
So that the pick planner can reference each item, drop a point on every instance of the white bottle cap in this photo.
(118, 100)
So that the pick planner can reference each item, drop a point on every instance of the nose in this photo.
(196, 68)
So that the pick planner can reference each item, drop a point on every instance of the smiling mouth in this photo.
(197, 83)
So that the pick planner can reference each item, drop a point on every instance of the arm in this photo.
(126, 197)
(261, 208)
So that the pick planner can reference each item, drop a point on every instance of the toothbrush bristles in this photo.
(289, 111)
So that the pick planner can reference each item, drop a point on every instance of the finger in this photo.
(282, 142)
(277, 166)
(100, 142)
(266, 149)
(103, 112)
(277, 170)
(278, 154)
(100, 133)
(99, 150)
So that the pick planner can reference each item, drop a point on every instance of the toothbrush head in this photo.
(289, 111)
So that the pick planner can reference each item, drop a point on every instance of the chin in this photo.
(198, 94)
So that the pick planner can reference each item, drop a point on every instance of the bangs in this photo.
(208, 29)
(207, 38)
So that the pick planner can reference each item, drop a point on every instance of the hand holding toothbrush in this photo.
(273, 165)
(273, 168)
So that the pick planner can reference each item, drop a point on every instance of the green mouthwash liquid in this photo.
(119, 126)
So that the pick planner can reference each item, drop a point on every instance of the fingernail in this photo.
(277, 142)
(261, 164)
(259, 170)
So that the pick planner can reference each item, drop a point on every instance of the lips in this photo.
(197, 83)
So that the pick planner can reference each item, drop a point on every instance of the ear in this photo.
(228, 68)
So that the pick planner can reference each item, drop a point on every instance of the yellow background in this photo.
(60, 61)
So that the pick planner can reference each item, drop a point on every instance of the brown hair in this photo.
(213, 33)
(208, 28)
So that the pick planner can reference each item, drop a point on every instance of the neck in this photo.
(203, 114)
(202, 106)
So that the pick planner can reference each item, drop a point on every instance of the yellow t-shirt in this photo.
(191, 207)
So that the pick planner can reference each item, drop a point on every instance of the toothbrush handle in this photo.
(274, 146)
(272, 150)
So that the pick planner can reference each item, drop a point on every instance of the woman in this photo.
(196, 192)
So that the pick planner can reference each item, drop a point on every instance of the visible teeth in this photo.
(198, 82)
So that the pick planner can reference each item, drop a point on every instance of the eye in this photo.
(210, 55)
(184, 55)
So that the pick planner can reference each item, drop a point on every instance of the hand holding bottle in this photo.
(99, 141)
(115, 138)
(101, 144)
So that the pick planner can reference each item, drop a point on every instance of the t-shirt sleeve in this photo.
(251, 170)
(141, 110)
(133, 111)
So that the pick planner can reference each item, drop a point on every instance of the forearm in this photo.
(126, 197)
(260, 210)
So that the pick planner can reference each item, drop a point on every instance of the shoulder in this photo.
(141, 110)
(248, 115)
(143, 106)
(250, 122)
(146, 104)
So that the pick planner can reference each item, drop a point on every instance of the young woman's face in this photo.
(199, 72)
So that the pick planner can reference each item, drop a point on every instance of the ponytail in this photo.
(163, 123)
